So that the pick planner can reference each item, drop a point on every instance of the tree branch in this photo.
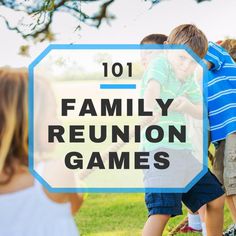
(43, 12)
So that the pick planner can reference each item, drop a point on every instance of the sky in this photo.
(134, 20)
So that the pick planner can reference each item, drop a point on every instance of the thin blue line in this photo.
(31, 116)
(113, 46)
(117, 86)
(107, 190)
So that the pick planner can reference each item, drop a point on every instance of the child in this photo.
(222, 113)
(230, 46)
(154, 39)
(147, 55)
(207, 190)
(194, 222)
(26, 207)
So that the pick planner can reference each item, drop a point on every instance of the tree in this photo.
(42, 12)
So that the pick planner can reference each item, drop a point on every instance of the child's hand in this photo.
(209, 64)
(180, 104)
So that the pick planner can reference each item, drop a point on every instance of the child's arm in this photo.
(190, 102)
(76, 201)
(209, 64)
(156, 74)
(64, 177)
(151, 93)
(215, 56)
(182, 104)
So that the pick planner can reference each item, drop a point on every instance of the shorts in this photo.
(207, 189)
(224, 166)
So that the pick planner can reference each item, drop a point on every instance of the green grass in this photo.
(119, 215)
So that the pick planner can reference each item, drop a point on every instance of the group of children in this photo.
(207, 196)
(29, 209)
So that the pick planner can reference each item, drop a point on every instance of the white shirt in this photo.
(30, 212)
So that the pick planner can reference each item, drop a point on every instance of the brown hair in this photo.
(154, 39)
(230, 46)
(191, 36)
(13, 120)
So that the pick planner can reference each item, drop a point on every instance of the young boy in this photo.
(207, 190)
(230, 46)
(154, 39)
(223, 167)
(146, 55)
(194, 222)
(222, 116)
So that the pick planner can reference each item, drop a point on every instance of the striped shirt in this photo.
(221, 93)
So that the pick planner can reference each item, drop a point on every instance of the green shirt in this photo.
(170, 88)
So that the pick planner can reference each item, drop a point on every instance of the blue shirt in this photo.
(221, 93)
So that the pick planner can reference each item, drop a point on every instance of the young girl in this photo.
(26, 207)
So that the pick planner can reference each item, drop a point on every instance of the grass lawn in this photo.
(119, 215)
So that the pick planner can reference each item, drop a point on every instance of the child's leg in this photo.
(202, 214)
(208, 191)
(155, 225)
(161, 206)
(194, 221)
(231, 202)
(218, 163)
(230, 173)
(215, 217)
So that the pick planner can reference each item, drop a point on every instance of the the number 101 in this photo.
(117, 69)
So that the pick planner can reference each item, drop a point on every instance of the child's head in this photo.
(154, 39)
(230, 46)
(147, 55)
(187, 34)
(191, 36)
(13, 120)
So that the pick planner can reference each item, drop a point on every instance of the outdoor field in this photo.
(116, 214)
(119, 215)
(123, 214)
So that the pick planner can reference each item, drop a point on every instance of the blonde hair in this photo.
(230, 46)
(13, 120)
(191, 36)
